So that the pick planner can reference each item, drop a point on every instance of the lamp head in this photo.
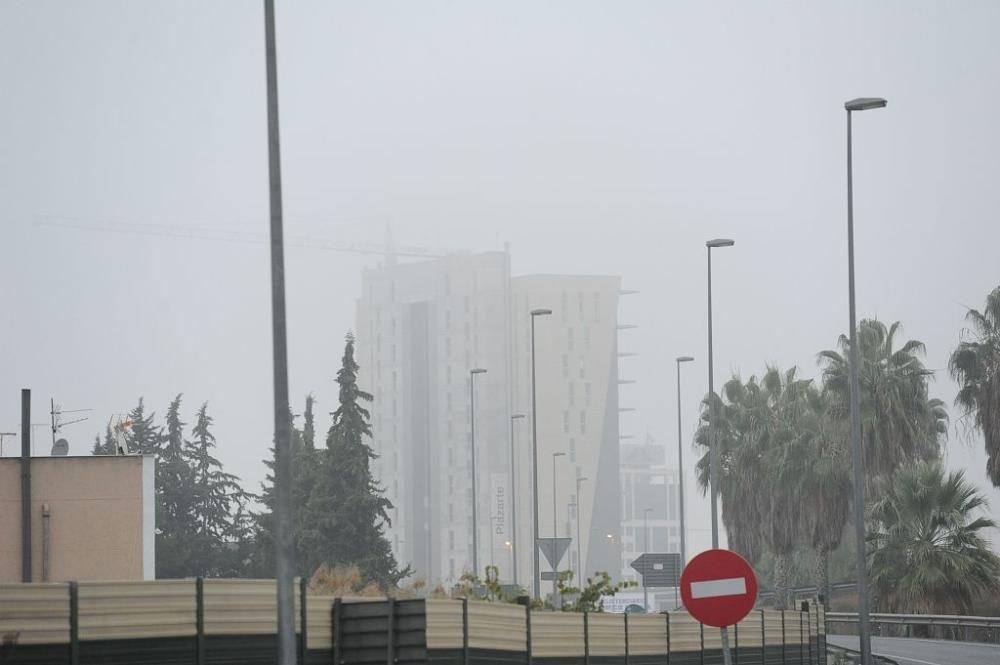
(477, 371)
(541, 312)
(517, 416)
(684, 359)
(719, 242)
(865, 103)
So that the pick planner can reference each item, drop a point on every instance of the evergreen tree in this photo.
(309, 427)
(106, 447)
(174, 485)
(218, 505)
(145, 437)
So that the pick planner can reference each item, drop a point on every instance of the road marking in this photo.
(733, 586)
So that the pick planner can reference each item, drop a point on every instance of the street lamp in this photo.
(864, 628)
(534, 449)
(579, 543)
(555, 532)
(472, 438)
(713, 445)
(680, 457)
(645, 547)
(713, 449)
(513, 508)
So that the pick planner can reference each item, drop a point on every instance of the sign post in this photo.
(719, 588)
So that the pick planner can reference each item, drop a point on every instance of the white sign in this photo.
(617, 603)
(499, 507)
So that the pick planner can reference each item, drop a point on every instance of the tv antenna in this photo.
(57, 421)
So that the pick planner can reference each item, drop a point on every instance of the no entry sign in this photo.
(718, 588)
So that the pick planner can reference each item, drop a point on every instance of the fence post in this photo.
(701, 628)
(667, 615)
(74, 624)
(527, 630)
(626, 639)
(199, 620)
(784, 640)
(763, 639)
(802, 655)
(390, 647)
(586, 638)
(303, 619)
(736, 638)
(336, 631)
(465, 631)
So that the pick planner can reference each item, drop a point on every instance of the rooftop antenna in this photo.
(120, 427)
(57, 422)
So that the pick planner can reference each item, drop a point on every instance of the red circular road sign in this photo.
(719, 588)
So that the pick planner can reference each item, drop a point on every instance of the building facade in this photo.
(421, 328)
(92, 518)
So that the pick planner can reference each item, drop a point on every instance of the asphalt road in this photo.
(926, 652)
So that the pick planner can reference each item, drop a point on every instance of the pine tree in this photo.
(145, 437)
(219, 505)
(174, 485)
(309, 427)
(106, 447)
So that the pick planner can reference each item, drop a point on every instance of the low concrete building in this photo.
(92, 518)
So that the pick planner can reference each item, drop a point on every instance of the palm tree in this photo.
(899, 422)
(762, 456)
(928, 553)
(826, 482)
(975, 364)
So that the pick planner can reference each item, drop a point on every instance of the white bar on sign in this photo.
(733, 586)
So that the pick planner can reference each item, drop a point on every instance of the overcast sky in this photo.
(594, 137)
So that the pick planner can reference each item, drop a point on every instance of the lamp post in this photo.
(680, 458)
(645, 548)
(534, 451)
(579, 543)
(713, 449)
(513, 493)
(279, 341)
(472, 438)
(555, 531)
(864, 628)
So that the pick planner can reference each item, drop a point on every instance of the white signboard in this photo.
(617, 603)
(499, 507)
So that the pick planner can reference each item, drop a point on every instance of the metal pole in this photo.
(282, 417)
(579, 543)
(713, 449)
(534, 464)
(513, 507)
(645, 547)
(864, 629)
(25, 485)
(472, 408)
(727, 657)
(680, 467)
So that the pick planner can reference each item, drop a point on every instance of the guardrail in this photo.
(987, 627)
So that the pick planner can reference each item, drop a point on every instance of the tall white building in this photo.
(421, 327)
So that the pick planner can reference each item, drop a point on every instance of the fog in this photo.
(604, 138)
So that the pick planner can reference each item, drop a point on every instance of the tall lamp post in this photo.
(513, 493)
(534, 451)
(279, 341)
(555, 530)
(579, 543)
(713, 449)
(864, 628)
(645, 550)
(680, 458)
(472, 438)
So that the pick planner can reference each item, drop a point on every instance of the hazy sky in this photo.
(604, 137)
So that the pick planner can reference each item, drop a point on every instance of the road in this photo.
(925, 652)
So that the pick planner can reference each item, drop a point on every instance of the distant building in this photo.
(420, 328)
(647, 482)
(98, 513)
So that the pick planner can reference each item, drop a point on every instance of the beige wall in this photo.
(101, 517)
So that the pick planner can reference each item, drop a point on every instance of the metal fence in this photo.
(223, 622)
(945, 626)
